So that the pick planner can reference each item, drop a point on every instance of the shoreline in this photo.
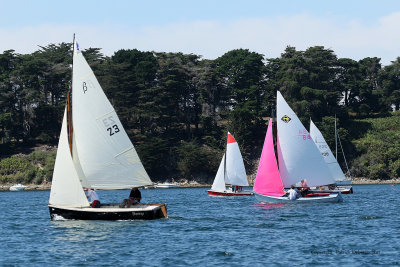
(365, 181)
(355, 181)
(44, 187)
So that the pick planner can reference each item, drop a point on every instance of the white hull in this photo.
(341, 189)
(17, 187)
(333, 198)
(165, 185)
(229, 193)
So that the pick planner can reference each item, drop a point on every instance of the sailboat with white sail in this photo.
(231, 171)
(95, 152)
(298, 159)
(330, 160)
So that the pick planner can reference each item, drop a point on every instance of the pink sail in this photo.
(268, 181)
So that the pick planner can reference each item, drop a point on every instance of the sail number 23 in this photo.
(111, 126)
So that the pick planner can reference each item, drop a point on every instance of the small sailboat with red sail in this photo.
(231, 172)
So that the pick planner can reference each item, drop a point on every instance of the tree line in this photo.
(177, 108)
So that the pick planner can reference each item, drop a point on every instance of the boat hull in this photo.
(165, 186)
(345, 189)
(229, 193)
(18, 187)
(342, 189)
(331, 198)
(110, 212)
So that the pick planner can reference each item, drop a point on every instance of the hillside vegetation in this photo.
(177, 108)
(376, 153)
(377, 148)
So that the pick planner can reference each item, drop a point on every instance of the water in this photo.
(207, 231)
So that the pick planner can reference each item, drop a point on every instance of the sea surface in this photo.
(201, 230)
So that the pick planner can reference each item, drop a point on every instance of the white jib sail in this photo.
(299, 157)
(235, 170)
(219, 182)
(107, 157)
(326, 152)
(66, 189)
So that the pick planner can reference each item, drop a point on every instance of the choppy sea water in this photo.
(200, 230)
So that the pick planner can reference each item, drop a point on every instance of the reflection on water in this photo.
(269, 205)
(75, 230)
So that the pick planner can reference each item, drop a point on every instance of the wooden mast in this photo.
(69, 104)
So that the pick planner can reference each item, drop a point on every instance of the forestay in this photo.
(326, 153)
(103, 154)
(298, 156)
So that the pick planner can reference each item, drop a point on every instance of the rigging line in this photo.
(345, 161)
(336, 136)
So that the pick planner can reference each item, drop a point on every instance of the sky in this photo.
(352, 29)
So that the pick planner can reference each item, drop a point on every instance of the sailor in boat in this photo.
(304, 187)
(292, 193)
(93, 198)
(134, 198)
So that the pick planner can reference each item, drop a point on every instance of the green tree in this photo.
(389, 77)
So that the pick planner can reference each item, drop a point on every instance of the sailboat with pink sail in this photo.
(231, 171)
(298, 160)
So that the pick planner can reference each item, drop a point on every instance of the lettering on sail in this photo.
(304, 134)
(111, 125)
(86, 85)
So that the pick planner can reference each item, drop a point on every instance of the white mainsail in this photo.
(326, 153)
(299, 157)
(235, 171)
(104, 156)
(66, 189)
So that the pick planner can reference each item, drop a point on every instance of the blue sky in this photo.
(354, 29)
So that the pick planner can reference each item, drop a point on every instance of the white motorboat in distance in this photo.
(18, 187)
(165, 185)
